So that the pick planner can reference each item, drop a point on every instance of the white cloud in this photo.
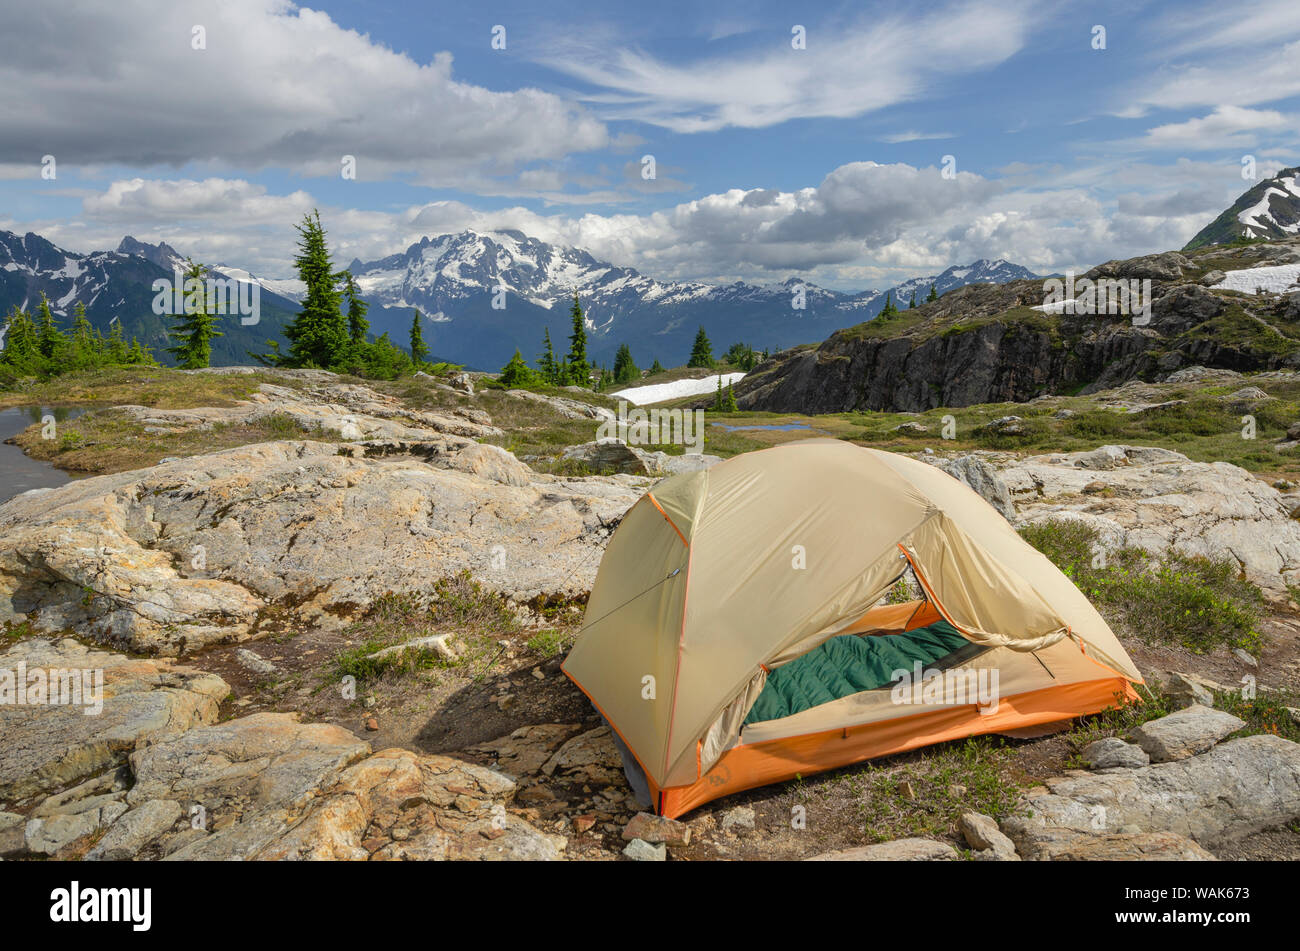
(897, 137)
(277, 86)
(1226, 127)
(846, 70)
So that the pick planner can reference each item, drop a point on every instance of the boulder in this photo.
(646, 827)
(983, 835)
(1112, 753)
(639, 850)
(981, 477)
(1185, 733)
(614, 455)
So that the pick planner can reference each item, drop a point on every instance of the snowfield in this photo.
(643, 395)
(1277, 279)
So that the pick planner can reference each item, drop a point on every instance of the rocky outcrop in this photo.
(1158, 500)
(346, 410)
(266, 786)
(981, 477)
(197, 550)
(1215, 798)
(50, 746)
(613, 455)
(986, 344)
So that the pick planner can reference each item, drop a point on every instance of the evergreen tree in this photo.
(932, 296)
(729, 401)
(717, 400)
(115, 347)
(86, 341)
(549, 368)
(656, 367)
(579, 370)
(516, 373)
(22, 350)
(625, 370)
(741, 356)
(419, 352)
(912, 303)
(358, 326)
(50, 340)
(701, 351)
(318, 333)
(196, 324)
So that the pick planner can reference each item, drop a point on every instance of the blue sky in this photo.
(823, 162)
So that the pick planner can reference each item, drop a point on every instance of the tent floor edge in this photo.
(774, 761)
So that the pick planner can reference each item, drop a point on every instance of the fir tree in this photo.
(50, 341)
(933, 295)
(196, 325)
(358, 326)
(701, 351)
(22, 349)
(912, 303)
(318, 333)
(625, 370)
(579, 370)
(516, 373)
(549, 368)
(419, 352)
(115, 347)
(656, 367)
(729, 401)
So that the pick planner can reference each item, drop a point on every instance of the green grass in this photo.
(457, 605)
(1200, 603)
(971, 775)
(12, 633)
(550, 642)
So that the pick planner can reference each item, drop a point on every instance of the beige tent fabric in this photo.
(786, 546)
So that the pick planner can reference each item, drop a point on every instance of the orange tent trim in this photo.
(774, 761)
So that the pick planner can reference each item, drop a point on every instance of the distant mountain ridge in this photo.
(452, 280)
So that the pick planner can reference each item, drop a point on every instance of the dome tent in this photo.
(717, 580)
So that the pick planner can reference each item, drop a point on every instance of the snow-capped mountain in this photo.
(1270, 209)
(119, 284)
(453, 280)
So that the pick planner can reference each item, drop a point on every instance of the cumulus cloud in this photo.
(276, 86)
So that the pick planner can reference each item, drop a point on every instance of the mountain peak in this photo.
(162, 253)
(1268, 209)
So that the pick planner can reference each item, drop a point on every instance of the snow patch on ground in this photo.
(658, 392)
(1277, 279)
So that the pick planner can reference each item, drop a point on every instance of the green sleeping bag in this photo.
(850, 664)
